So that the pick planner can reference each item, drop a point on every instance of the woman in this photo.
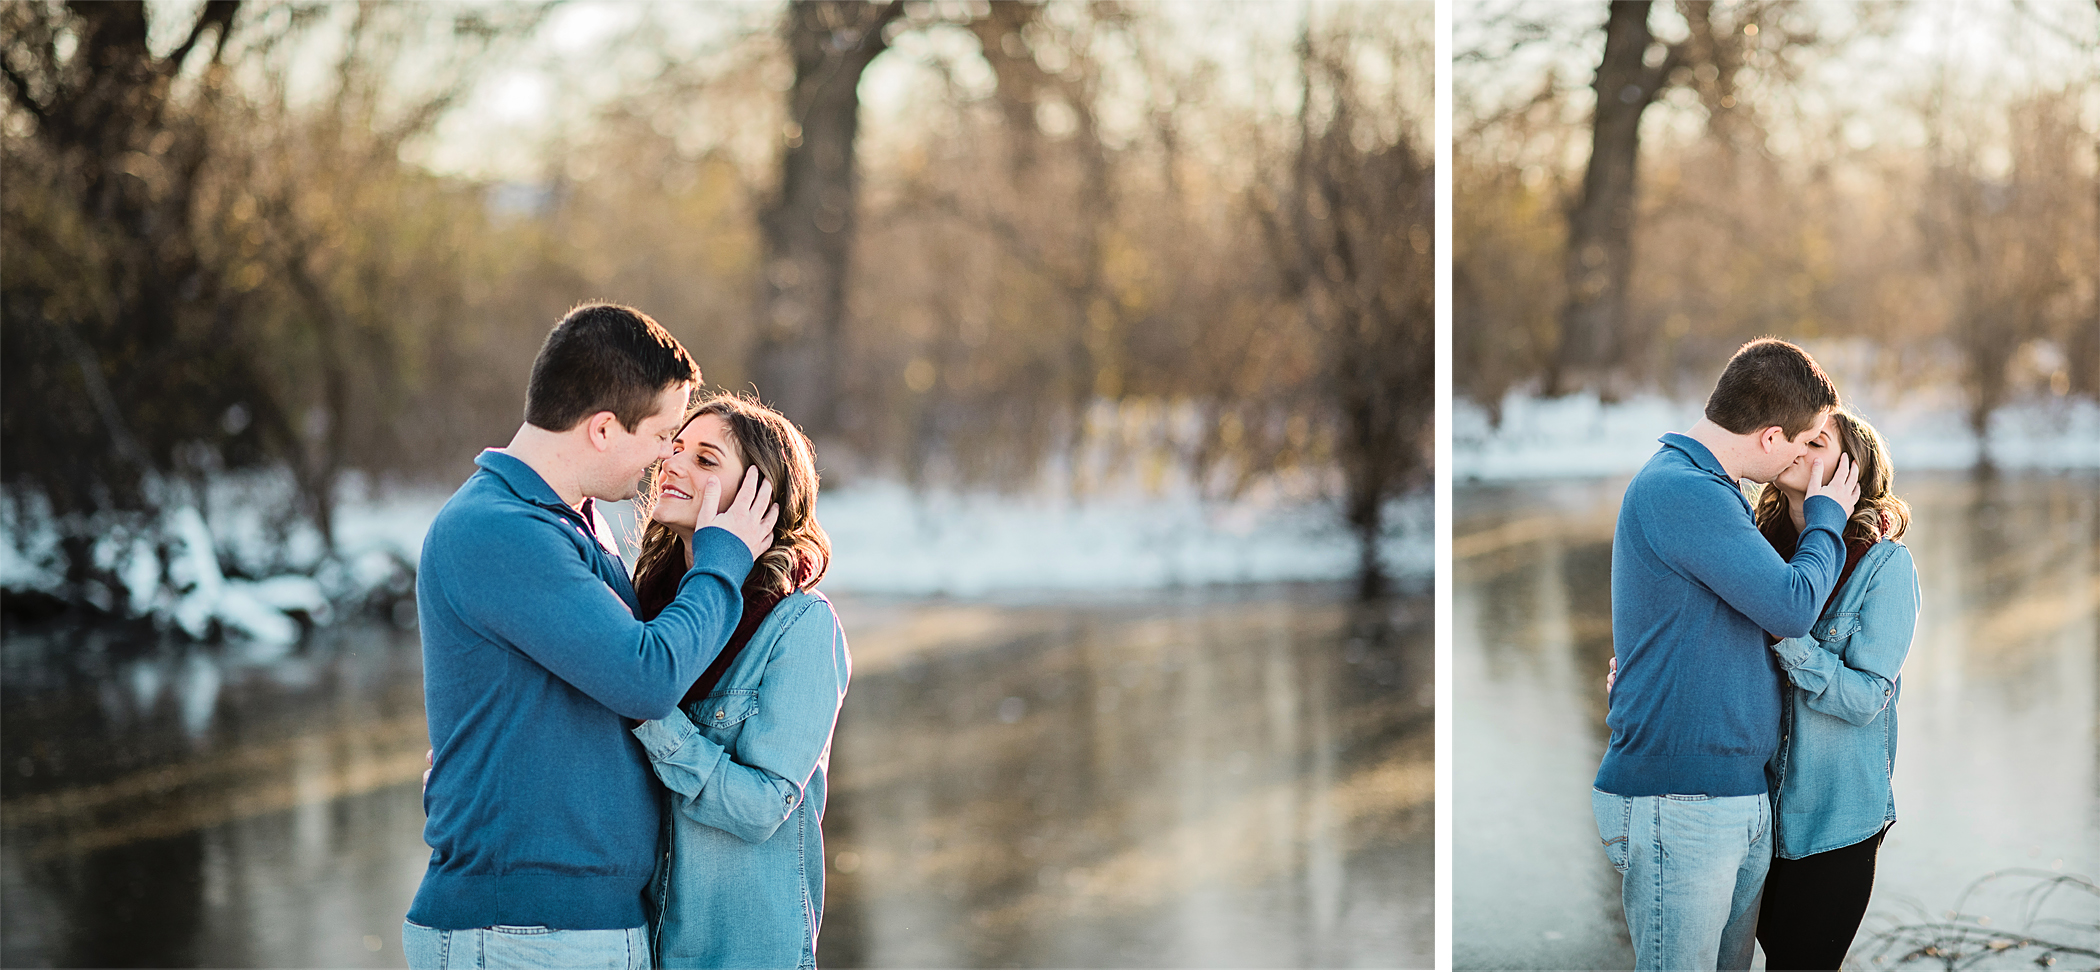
(744, 758)
(1830, 778)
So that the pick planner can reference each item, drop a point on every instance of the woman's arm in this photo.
(753, 792)
(1857, 687)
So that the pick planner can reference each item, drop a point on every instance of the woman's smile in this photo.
(700, 450)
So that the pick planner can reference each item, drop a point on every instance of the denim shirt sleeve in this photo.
(751, 792)
(1858, 686)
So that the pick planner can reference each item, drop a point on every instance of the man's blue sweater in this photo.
(1693, 588)
(542, 810)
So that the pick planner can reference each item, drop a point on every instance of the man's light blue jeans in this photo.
(525, 947)
(1693, 867)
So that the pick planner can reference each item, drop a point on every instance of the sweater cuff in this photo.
(660, 738)
(718, 549)
(1795, 652)
(1827, 514)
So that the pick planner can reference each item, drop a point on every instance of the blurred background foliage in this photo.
(295, 240)
(1918, 183)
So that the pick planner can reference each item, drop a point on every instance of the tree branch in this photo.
(216, 13)
(20, 85)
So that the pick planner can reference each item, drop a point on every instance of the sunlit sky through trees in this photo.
(587, 54)
(1885, 68)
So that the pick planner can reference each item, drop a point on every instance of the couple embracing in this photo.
(1757, 650)
(627, 770)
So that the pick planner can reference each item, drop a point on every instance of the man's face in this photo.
(629, 456)
(1824, 449)
(1784, 451)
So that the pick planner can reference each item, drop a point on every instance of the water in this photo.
(1999, 764)
(1225, 776)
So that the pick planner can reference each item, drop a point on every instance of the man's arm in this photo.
(1702, 532)
(521, 581)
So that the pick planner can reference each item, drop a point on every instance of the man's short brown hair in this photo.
(604, 358)
(1770, 382)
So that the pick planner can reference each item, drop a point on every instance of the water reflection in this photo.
(1231, 777)
(1997, 767)
(1198, 783)
(170, 805)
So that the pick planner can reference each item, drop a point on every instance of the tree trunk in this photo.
(100, 116)
(808, 225)
(1599, 261)
(1000, 35)
(1989, 354)
(1355, 247)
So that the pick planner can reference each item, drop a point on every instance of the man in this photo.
(543, 814)
(1681, 798)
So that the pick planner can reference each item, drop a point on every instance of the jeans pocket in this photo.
(425, 947)
(538, 947)
(1614, 825)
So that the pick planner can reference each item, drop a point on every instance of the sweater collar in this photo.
(520, 479)
(527, 485)
(1697, 452)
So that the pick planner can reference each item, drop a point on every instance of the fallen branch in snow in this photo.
(1962, 941)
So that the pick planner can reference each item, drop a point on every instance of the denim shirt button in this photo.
(719, 713)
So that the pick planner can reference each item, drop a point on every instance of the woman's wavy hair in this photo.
(1878, 504)
(801, 551)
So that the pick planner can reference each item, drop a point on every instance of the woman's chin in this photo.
(682, 524)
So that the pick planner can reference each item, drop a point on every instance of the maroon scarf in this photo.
(1781, 534)
(757, 604)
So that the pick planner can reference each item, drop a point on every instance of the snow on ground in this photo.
(887, 539)
(1578, 436)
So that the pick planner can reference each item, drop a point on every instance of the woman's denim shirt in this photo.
(1831, 774)
(742, 882)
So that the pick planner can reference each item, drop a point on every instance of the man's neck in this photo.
(550, 455)
(1728, 448)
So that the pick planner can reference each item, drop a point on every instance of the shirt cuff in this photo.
(665, 736)
(1793, 652)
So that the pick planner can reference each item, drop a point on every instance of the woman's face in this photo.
(1823, 447)
(702, 449)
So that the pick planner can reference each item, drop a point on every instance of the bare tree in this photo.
(202, 274)
(1599, 260)
(1595, 324)
(1353, 238)
(2001, 245)
(117, 298)
(808, 224)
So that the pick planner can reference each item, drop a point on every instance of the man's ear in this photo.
(598, 430)
(1771, 438)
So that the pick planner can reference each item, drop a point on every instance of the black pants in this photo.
(1813, 906)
